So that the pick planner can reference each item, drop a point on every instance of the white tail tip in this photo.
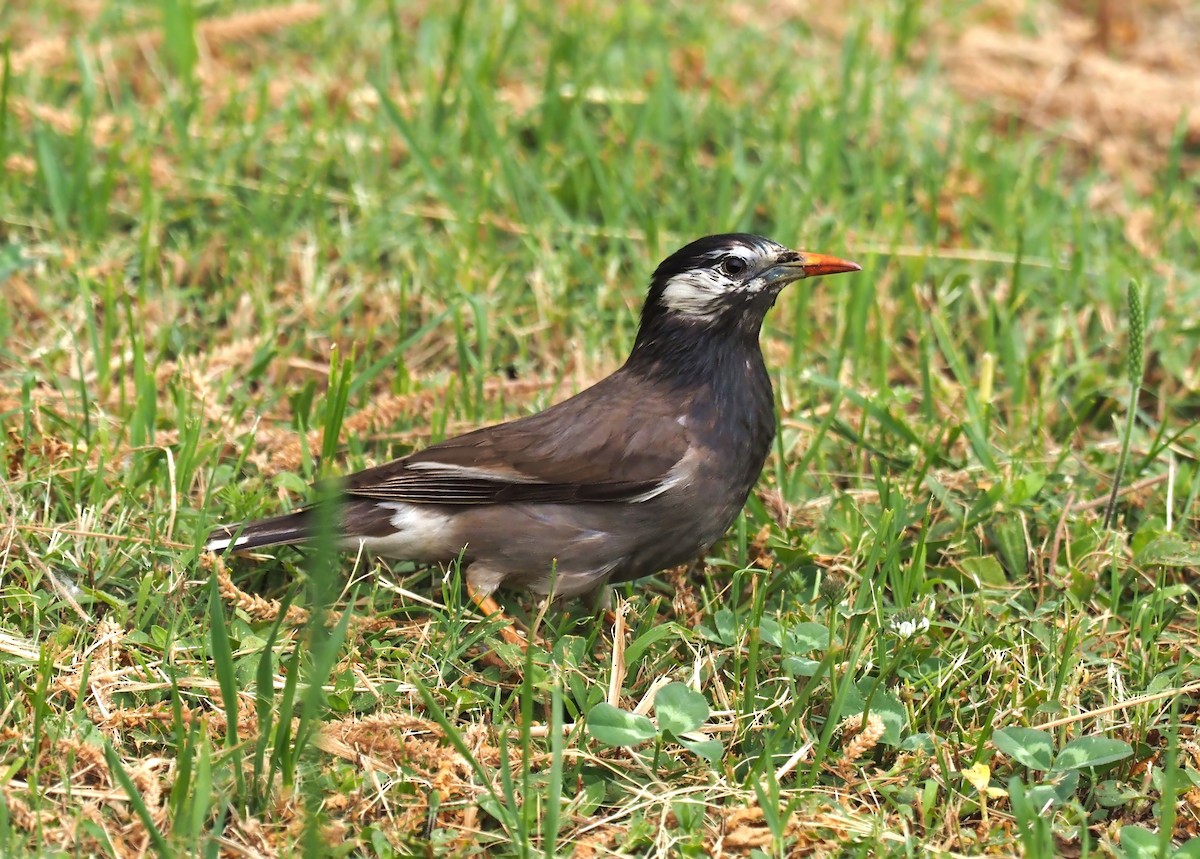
(222, 544)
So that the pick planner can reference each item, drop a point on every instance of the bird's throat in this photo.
(691, 352)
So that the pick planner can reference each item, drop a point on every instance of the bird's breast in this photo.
(730, 423)
(736, 417)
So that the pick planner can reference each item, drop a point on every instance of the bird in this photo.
(643, 471)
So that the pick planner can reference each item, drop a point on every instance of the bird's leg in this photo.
(489, 607)
(601, 603)
(541, 615)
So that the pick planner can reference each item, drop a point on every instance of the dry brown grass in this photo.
(1115, 79)
(131, 57)
(1112, 84)
(122, 697)
(44, 53)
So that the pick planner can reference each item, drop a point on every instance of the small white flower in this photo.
(908, 627)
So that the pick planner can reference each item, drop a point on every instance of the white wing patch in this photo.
(681, 474)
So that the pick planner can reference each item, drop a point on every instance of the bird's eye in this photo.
(733, 266)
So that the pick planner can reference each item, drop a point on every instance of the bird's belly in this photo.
(682, 534)
(571, 549)
(567, 549)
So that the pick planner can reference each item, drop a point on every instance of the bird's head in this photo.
(729, 281)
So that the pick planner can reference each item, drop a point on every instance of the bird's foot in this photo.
(488, 606)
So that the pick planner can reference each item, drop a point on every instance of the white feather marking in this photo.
(222, 543)
(421, 534)
(681, 474)
(472, 471)
(740, 251)
(695, 292)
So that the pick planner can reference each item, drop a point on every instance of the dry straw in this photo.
(243, 26)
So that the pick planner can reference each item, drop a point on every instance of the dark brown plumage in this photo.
(644, 470)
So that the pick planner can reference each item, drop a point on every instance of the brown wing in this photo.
(616, 441)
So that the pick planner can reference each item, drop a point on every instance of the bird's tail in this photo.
(294, 527)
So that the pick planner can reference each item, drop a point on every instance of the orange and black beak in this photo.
(798, 265)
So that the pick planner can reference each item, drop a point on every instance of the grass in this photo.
(335, 233)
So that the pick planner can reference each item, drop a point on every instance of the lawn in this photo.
(242, 250)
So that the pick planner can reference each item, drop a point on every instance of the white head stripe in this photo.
(740, 251)
(695, 292)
